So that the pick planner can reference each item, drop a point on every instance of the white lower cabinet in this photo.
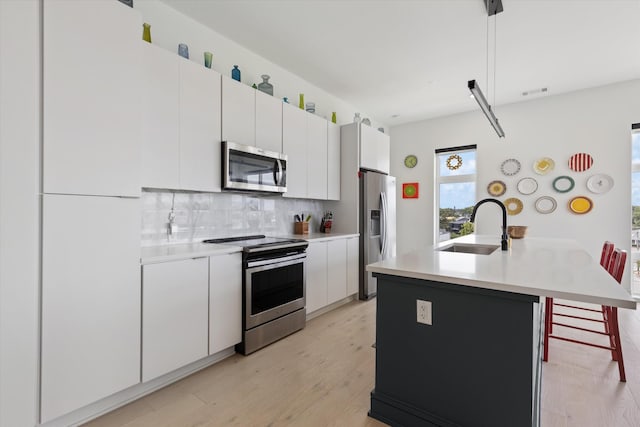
(353, 253)
(225, 301)
(332, 271)
(316, 276)
(90, 300)
(336, 270)
(174, 315)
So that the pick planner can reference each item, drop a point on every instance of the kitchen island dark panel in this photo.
(477, 364)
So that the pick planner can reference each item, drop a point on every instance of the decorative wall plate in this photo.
(527, 186)
(410, 190)
(510, 167)
(454, 162)
(513, 205)
(580, 205)
(563, 184)
(411, 161)
(546, 204)
(580, 162)
(544, 165)
(600, 183)
(496, 188)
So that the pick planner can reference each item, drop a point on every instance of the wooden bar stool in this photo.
(614, 261)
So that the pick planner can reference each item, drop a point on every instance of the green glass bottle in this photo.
(146, 32)
(301, 104)
(333, 117)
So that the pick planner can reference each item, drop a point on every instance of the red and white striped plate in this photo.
(580, 162)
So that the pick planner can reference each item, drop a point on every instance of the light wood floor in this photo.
(322, 376)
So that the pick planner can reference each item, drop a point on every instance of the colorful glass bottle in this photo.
(333, 117)
(265, 86)
(146, 32)
(301, 103)
(235, 73)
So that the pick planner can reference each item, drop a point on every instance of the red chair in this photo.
(614, 261)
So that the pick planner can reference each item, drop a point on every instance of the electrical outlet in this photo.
(424, 312)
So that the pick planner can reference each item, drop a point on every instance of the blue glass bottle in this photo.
(235, 73)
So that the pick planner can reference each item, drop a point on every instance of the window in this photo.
(635, 210)
(455, 191)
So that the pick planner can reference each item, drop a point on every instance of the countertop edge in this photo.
(518, 289)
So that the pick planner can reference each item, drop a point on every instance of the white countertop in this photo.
(556, 268)
(164, 253)
(174, 252)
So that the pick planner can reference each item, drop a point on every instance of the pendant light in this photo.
(493, 7)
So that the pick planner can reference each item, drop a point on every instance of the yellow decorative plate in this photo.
(544, 165)
(513, 205)
(496, 188)
(580, 205)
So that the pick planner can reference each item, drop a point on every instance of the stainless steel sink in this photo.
(469, 248)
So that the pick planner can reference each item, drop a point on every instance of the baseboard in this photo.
(331, 307)
(124, 397)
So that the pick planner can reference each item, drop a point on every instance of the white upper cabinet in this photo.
(294, 145)
(160, 113)
(316, 157)
(238, 112)
(374, 149)
(200, 149)
(333, 161)
(268, 122)
(91, 98)
(181, 123)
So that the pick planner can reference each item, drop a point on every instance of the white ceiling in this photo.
(413, 58)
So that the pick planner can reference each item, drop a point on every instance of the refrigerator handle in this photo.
(383, 224)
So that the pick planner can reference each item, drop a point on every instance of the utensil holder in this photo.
(301, 227)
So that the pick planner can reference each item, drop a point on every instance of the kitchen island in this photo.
(478, 361)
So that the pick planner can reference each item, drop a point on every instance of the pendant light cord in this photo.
(495, 55)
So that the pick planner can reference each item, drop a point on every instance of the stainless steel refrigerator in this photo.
(377, 226)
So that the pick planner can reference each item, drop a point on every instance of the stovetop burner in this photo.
(260, 242)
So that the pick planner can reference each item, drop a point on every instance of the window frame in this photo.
(450, 179)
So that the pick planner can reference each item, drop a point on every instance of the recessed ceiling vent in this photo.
(535, 91)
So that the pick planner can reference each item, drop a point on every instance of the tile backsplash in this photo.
(201, 216)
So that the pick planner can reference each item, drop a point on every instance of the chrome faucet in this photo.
(504, 240)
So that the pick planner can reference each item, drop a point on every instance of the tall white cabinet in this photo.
(90, 300)
(91, 209)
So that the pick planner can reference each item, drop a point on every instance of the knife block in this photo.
(301, 227)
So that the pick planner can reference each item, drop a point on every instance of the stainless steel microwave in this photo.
(247, 168)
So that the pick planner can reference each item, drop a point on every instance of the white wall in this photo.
(19, 210)
(596, 121)
(170, 27)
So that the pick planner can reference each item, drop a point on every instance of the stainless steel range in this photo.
(274, 288)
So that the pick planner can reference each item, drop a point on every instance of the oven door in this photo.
(273, 288)
(248, 168)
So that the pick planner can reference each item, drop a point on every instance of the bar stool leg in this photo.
(618, 342)
(548, 313)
